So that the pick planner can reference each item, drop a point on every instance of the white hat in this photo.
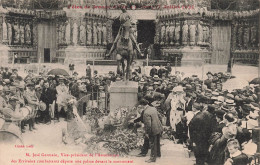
(221, 98)
(178, 89)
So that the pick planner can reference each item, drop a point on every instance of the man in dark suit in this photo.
(153, 71)
(200, 128)
(47, 99)
(153, 129)
(161, 71)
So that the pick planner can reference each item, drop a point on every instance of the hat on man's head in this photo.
(13, 98)
(7, 81)
(209, 73)
(143, 102)
(230, 102)
(30, 83)
(230, 96)
(220, 113)
(177, 89)
(197, 106)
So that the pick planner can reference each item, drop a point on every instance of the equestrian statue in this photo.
(125, 44)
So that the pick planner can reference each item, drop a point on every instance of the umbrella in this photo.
(255, 81)
(58, 72)
(235, 84)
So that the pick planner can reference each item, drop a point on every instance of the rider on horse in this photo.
(125, 31)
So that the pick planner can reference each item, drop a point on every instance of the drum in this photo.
(2, 121)
(10, 133)
(27, 112)
(42, 106)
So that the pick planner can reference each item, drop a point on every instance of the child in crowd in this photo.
(236, 157)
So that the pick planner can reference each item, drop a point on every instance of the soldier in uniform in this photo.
(33, 102)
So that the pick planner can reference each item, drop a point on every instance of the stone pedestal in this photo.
(123, 94)
(5, 59)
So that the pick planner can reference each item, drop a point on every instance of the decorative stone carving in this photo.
(62, 34)
(163, 29)
(109, 31)
(99, 33)
(192, 32)
(82, 34)
(10, 33)
(95, 33)
(104, 34)
(240, 35)
(200, 33)
(16, 33)
(246, 36)
(5, 36)
(167, 35)
(172, 28)
(157, 32)
(67, 33)
(75, 34)
(28, 34)
(89, 33)
(253, 39)
(177, 34)
(22, 34)
(205, 34)
(185, 30)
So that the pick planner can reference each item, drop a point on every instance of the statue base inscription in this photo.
(123, 94)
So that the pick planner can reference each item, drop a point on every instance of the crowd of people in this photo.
(213, 122)
(216, 124)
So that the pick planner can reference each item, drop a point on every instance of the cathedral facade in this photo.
(65, 31)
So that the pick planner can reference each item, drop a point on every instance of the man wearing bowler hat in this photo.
(153, 129)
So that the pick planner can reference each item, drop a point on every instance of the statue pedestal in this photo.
(5, 59)
(123, 94)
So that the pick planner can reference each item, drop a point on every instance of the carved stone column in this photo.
(177, 33)
(200, 33)
(75, 34)
(185, 32)
(16, 33)
(10, 33)
(172, 28)
(68, 33)
(99, 33)
(28, 34)
(95, 32)
(246, 35)
(104, 34)
(163, 30)
(157, 32)
(82, 34)
(22, 33)
(4, 30)
(109, 31)
(89, 32)
(192, 33)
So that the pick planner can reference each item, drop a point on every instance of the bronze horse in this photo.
(124, 45)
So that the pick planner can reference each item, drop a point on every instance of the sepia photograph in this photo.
(166, 82)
